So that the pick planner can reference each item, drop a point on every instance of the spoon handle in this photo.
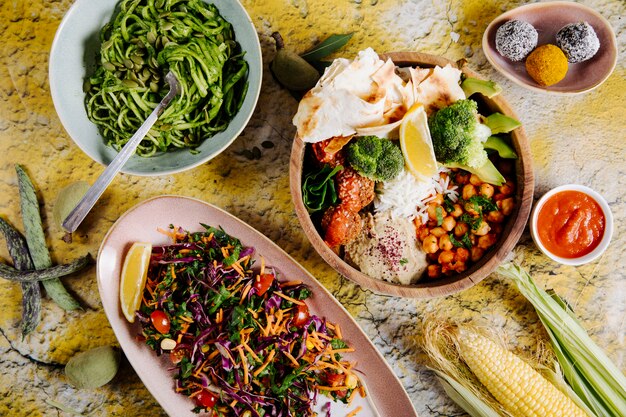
(78, 214)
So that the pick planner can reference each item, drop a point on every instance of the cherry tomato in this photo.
(335, 380)
(160, 321)
(206, 399)
(301, 316)
(178, 354)
(262, 283)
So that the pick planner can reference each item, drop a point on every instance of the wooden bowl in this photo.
(447, 285)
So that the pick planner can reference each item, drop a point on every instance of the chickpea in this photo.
(446, 257)
(507, 188)
(422, 232)
(468, 191)
(445, 243)
(433, 271)
(437, 232)
(496, 228)
(438, 199)
(460, 229)
(417, 221)
(507, 206)
(486, 190)
(462, 254)
(474, 180)
(495, 216)
(432, 210)
(487, 241)
(448, 223)
(430, 244)
(476, 253)
(462, 178)
(470, 208)
(459, 266)
(457, 211)
(483, 229)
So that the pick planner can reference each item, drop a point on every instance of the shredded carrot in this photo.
(290, 284)
(244, 364)
(338, 331)
(262, 271)
(244, 293)
(268, 359)
(187, 319)
(326, 388)
(291, 358)
(293, 300)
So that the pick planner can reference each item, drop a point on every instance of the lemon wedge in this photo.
(133, 278)
(416, 144)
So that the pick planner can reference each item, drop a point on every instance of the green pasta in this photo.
(144, 40)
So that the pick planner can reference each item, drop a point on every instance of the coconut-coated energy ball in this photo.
(579, 41)
(516, 39)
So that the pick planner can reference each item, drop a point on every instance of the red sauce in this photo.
(570, 224)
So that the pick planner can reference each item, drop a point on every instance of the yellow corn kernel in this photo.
(520, 389)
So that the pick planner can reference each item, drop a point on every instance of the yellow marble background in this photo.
(578, 139)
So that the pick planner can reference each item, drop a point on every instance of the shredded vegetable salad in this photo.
(243, 342)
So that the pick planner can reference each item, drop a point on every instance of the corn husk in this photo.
(457, 379)
(586, 367)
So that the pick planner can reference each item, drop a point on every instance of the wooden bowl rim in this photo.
(427, 289)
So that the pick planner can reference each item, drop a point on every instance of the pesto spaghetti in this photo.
(144, 40)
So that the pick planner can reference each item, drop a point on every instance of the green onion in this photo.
(589, 371)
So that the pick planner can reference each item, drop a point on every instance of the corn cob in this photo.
(520, 389)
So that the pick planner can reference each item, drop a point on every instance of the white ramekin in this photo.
(608, 226)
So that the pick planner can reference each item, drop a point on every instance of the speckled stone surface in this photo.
(577, 139)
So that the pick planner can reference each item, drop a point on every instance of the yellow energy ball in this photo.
(547, 65)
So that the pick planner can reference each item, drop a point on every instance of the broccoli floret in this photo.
(375, 158)
(458, 136)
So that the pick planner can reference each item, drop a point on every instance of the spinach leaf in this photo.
(318, 189)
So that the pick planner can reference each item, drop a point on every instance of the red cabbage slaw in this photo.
(242, 342)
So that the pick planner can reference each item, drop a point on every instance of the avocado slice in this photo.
(499, 123)
(501, 146)
(487, 173)
(471, 85)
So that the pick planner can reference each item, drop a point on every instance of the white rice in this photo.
(406, 196)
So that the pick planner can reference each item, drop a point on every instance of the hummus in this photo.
(387, 248)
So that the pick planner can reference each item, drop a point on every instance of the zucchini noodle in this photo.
(145, 40)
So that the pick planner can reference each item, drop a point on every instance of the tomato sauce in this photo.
(570, 224)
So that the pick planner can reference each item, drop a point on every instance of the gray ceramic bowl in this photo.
(72, 57)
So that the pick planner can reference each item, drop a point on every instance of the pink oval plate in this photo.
(386, 396)
(548, 18)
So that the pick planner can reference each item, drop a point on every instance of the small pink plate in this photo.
(386, 396)
(548, 18)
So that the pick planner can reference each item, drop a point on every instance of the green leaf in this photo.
(326, 47)
(482, 204)
(464, 242)
(439, 214)
(318, 190)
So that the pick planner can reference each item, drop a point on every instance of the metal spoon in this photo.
(79, 213)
